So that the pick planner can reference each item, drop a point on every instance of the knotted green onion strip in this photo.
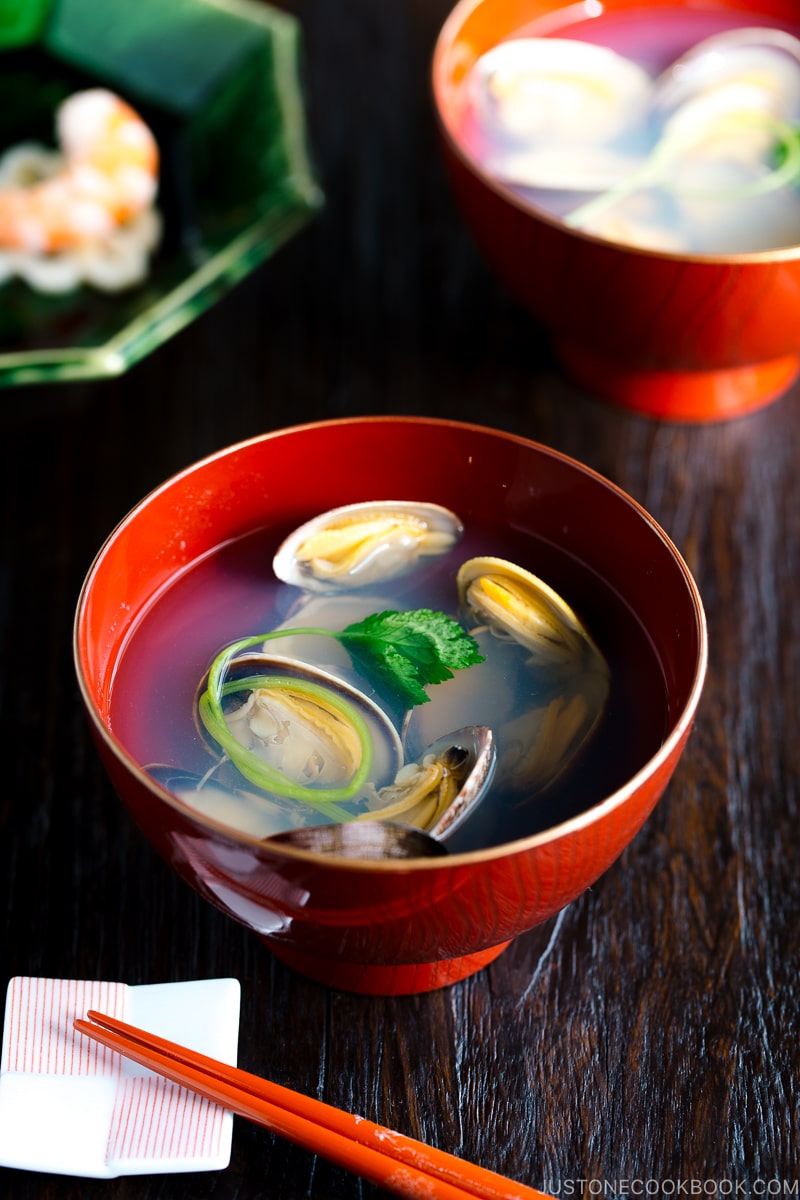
(653, 171)
(253, 768)
(402, 652)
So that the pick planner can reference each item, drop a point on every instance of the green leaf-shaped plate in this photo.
(218, 81)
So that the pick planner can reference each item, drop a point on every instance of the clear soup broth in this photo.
(232, 593)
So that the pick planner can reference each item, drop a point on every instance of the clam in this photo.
(358, 545)
(553, 111)
(443, 787)
(515, 603)
(542, 717)
(246, 811)
(311, 739)
(363, 840)
(740, 71)
(724, 106)
(543, 684)
(728, 110)
(540, 745)
(300, 732)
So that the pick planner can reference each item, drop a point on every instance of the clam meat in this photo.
(541, 744)
(328, 748)
(358, 545)
(515, 603)
(544, 684)
(542, 718)
(305, 734)
(300, 735)
(443, 787)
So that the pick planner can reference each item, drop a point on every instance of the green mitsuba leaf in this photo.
(403, 652)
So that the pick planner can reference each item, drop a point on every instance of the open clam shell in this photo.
(309, 728)
(515, 603)
(358, 545)
(288, 715)
(528, 89)
(478, 747)
(444, 786)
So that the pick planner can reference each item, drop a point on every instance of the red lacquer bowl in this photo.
(682, 338)
(397, 927)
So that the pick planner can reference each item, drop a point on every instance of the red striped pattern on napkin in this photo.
(39, 1038)
(154, 1121)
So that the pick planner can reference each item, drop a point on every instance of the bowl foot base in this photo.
(404, 979)
(718, 395)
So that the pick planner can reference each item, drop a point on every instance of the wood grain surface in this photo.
(645, 1041)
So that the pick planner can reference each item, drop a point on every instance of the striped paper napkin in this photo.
(73, 1107)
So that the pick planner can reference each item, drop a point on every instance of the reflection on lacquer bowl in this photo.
(696, 328)
(189, 571)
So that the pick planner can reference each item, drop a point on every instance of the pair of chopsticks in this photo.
(394, 1162)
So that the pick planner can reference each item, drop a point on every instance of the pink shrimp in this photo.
(109, 174)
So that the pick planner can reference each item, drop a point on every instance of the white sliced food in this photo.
(543, 88)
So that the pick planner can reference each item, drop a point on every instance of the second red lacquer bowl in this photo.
(679, 337)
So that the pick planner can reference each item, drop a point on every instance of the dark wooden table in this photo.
(645, 1040)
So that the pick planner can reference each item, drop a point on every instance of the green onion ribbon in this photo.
(253, 768)
(652, 170)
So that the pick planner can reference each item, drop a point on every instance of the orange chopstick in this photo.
(391, 1160)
